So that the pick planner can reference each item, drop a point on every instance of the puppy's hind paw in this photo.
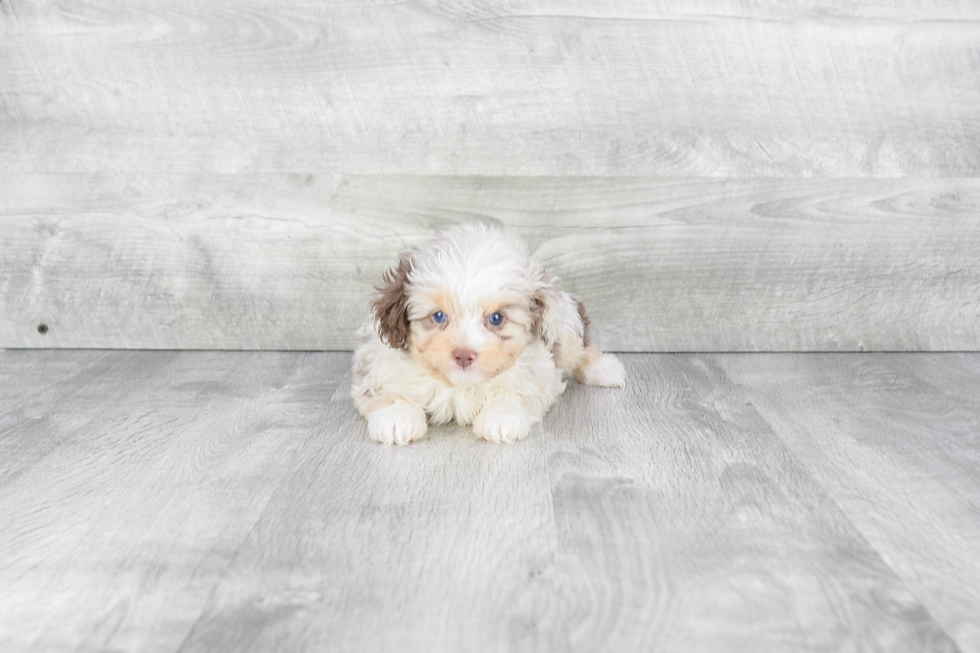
(604, 370)
(397, 424)
(502, 425)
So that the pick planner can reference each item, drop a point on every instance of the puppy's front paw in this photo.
(606, 371)
(502, 425)
(397, 424)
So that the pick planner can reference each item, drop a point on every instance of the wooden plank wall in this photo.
(715, 175)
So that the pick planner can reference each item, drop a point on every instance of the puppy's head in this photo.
(466, 304)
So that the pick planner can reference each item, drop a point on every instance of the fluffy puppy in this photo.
(469, 328)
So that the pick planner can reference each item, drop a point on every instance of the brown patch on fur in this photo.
(499, 355)
(434, 350)
(514, 308)
(547, 310)
(569, 352)
(535, 309)
(502, 303)
(435, 300)
(391, 308)
(585, 321)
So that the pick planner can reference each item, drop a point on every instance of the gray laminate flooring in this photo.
(205, 501)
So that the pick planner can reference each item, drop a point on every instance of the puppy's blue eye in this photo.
(439, 317)
(496, 319)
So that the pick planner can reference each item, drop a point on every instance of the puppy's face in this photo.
(467, 340)
(464, 306)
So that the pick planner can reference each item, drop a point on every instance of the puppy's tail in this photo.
(597, 368)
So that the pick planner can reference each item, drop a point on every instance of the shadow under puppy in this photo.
(469, 328)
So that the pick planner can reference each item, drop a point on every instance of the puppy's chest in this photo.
(455, 404)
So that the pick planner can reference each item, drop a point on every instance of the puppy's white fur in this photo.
(406, 374)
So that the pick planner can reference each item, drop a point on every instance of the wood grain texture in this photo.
(565, 87)
(114, 538)
(50, 395)
(290, 261)
(894, 440)
(726, 540)
(233, 502)
(708, 175)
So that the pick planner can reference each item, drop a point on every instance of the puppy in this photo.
(469, 328)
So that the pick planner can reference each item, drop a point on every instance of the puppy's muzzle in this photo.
(464, 357)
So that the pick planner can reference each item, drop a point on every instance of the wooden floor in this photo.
(204, 501)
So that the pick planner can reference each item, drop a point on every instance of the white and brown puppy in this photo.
(468, 328)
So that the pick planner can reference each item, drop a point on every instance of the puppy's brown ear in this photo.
(391, 307)
(547, 307)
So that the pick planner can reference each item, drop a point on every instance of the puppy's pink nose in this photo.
(464, 356)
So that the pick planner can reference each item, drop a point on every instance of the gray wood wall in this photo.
(706, 175)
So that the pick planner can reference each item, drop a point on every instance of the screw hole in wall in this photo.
(42, 328)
